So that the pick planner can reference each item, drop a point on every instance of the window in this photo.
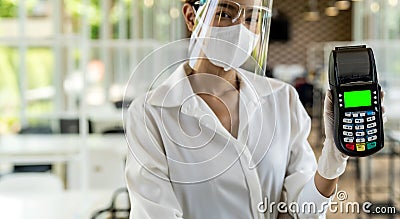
(48, 48)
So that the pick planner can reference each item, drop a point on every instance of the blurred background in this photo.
(64, 65)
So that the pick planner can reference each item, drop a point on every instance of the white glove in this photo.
(331, 163)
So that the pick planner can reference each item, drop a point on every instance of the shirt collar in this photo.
(177, 90)
(173, 92)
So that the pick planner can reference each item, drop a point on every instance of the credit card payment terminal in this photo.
(358, 125)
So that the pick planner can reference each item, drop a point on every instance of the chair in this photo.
(33, 168)
(119, 208)
(305, 91)
(36, 130)
(122, 104)
(71, 126)
(30, 183)
(115, 130)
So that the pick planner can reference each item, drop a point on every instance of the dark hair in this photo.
(194, 3)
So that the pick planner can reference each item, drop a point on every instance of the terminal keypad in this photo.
(360, 130)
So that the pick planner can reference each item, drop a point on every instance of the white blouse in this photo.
(184, 164)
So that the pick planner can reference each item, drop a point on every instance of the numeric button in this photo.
(360, 140)
(371, 125)
(347, 120)
(370, 119)
(346, 133)
(359, 127)
(372, 131)
(360, 134)
(359, 120)
(348, 140)
(347, 127)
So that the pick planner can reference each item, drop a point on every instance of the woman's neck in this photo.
(207, 77)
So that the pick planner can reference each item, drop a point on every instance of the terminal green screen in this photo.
(357, 98)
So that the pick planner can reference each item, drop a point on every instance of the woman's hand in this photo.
(331, 163)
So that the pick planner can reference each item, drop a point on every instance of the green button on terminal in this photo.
(371, 145)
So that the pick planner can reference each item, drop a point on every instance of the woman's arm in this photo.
(325, 186)
(147, 176)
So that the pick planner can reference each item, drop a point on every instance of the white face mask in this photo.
(229, 47)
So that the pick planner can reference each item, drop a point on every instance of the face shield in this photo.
(231, 34)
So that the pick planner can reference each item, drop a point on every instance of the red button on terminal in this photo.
(350, 146)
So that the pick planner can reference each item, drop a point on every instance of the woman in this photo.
(218, 141)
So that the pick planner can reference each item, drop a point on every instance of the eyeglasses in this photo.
(228, 12)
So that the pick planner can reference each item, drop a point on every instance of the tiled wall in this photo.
(302, 32)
